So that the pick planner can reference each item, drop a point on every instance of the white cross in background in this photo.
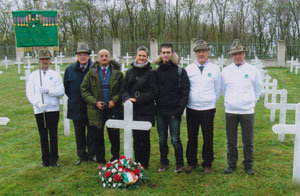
(128, 125)
(57, 67)
(182, 61)
(60, 58)
(6, 62)
(93, 55)
(4, 120)
(296, 66)
(27, 73)
(1, 72)
(293, 129)
(188, 59)
(220, 62)
(274, 93)
(127, 57)
(66, 120)
(19, 65)
(28, 63)
(292, 62)
(283, 106)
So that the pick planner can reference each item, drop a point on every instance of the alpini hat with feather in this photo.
(236, 47)
(44, 54)
(201, 45)
(83, 48)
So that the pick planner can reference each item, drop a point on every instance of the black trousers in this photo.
(195, 118)
(49, 155)
(114, 137)
(84, 139)
(247, 124)
(142, 147)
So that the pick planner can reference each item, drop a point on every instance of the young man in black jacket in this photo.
(77, 109)
(173, 92)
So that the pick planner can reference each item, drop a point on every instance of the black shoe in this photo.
(92, 159)
(189, 169)
(56, 164)
(229, 170)
(249, 171)
(45, 165)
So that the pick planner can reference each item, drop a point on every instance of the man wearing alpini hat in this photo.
(77, 107)
(205, 87)
(241, 88)
(43, 90)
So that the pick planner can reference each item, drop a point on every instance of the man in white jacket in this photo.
(205, 87)
(43, 89)
(241, 88)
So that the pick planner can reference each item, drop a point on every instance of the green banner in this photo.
(36, 28)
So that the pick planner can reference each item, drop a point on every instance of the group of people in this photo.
(96, 91)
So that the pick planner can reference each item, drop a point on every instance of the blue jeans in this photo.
(165, 120)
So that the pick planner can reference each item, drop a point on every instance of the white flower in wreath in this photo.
(120, 184)
(109, 179)
(141, 175)
(104, 185)
(104, 168)
(102, 179)
(113, 170)
(120, 170)
(114, 185)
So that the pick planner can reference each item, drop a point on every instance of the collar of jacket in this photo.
(147, 66)
(77, 66)
(175, 59)
(114, 65)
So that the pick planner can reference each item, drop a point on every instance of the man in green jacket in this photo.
(101, 91)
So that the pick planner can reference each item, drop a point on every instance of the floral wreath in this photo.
(122, 173)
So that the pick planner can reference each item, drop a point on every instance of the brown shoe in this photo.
(179, 169)
(163, 168)
(100, 166)
(189, 169)
(207, 170)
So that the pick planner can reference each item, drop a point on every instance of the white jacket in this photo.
(241, 88)
(205, 87)
(53, 82)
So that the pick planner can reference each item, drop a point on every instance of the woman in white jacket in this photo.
(43, 90)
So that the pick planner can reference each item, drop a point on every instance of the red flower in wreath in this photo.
(107, 174)
(136, 171)
(108, 165)
(122, 157)
(127, 170)
(117, 178)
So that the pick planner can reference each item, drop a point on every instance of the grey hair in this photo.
(142, 48)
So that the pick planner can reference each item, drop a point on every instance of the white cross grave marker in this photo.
(1, 72)
(296, 66)
(57, 67)
(28, 63)
(283, 106)
(292, 62)
(127, 57)
(188, 59)
(66, 120)
(93, 55)
(6, 62)
(27, 73)
(128, 125)
(4, 120)
(19, 65)
(293, 129)
(123, 68)
(60, 58)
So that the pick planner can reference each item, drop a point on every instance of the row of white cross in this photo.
(294, 65)
(282, 128)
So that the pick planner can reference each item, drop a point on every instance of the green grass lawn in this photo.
(20, 154)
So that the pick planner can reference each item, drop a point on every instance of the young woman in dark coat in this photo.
(139, 87)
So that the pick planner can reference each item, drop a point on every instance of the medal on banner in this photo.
(29, 18)
(15, 20)
(52, 20)
(44, 20)
(33, 16)
(40, 18)
(22, 21)
(37, 17)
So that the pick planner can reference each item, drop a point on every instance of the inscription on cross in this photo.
(128, 125)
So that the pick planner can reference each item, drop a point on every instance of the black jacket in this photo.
(172, 96)
(140, 84)
(72, 80)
